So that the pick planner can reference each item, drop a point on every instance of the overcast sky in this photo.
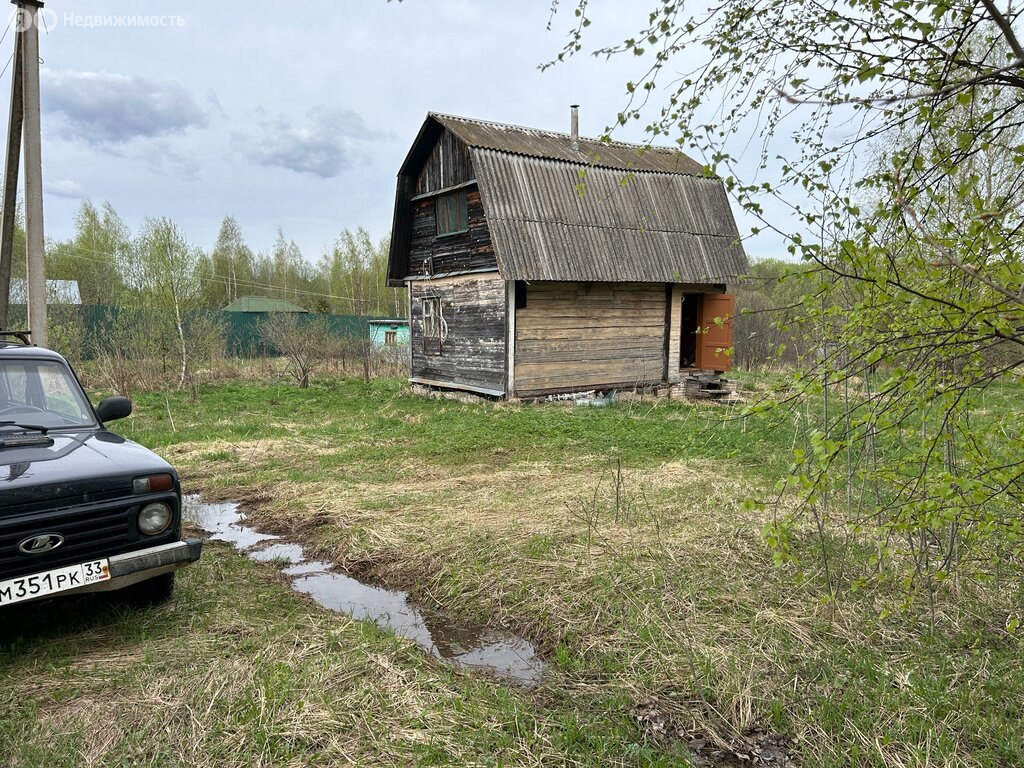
(295, 116)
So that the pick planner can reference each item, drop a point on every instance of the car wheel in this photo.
(151, 591)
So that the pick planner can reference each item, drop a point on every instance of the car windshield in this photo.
(41, 393)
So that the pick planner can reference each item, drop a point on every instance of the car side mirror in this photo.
(113, 408)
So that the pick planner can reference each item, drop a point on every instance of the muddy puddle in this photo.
(467, 647)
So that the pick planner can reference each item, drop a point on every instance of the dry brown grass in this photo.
(259, 679)
(607, 559)
(649, 590)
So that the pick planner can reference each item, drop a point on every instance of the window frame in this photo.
(461, 209)
(436, 330)
(433, 331)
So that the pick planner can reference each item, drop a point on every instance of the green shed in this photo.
(389, 333)
(262, 304)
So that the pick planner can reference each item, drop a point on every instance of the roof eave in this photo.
(430, 124)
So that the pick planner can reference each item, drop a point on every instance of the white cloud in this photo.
(64, 188)
(326, 143)
(107, 110)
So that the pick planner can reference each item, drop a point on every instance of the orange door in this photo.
(714, 338)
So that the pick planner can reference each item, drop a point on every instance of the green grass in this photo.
(381, 422)
(236, 671)
(616, 538)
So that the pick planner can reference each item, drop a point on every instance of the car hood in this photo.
(91, 465)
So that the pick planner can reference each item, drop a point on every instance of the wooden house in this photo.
(541, 263)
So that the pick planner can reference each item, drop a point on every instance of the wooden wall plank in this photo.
(575, 335)
(510, 335)
(473, 355)
(576, 358)
(597, 317)
(674, 338)
(539, 347)
(450, 253)
(449, 164)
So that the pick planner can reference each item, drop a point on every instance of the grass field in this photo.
(616, 538)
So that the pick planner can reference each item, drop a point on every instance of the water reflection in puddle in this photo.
(469, 647)
(284, 553)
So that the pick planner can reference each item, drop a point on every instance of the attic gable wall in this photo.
(448, 165)
(647, 215)
(467, 251)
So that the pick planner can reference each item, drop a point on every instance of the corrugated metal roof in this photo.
(555, 219)
(558, 146)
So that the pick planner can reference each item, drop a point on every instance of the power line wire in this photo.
(10, 23)
(226, 281)
(4, 71)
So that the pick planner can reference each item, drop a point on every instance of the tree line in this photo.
(117, 267)
(893, 135)
(156, 269)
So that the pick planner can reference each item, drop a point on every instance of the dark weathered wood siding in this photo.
(473, 355)
(448, 165)
(589, 335)
(451, 253)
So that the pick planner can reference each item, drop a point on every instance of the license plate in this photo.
(51, 582)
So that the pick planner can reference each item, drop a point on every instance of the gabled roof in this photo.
(645, 227)
(261, 304)
(602, 212)
(532, 142)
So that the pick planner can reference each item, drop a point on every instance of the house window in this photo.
(452, 213)
(435, 329)
(390, 338)
(434, 326)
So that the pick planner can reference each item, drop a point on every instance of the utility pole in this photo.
(35, 241)
(10, 190)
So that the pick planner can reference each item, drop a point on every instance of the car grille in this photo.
(94, 531)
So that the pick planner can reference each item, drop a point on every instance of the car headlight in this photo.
(154, 518)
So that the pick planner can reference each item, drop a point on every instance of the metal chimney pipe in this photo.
(574, 132)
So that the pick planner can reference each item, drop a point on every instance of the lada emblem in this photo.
(44, 542)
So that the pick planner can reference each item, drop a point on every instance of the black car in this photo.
(81, 508)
